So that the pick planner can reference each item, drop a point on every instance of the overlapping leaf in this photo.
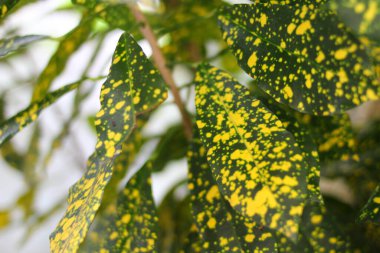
(302, 56)
(221, 229)
(12, 44)
(6, 6)
(371, 211)
(311, 3)
(16, 123)
(256, 162)
(57, 63)
(133, 86)
(363, 16)
(115, 13)
(136, 227)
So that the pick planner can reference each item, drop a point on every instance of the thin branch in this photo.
(160, 62)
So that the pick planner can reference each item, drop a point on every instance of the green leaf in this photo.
(334, 136)
(302, 136)
(174, 219)
(302, 57)
(221, 229)
(255, 161)
(57, 63)
(15, 124)
(172, 146)
(6, 5)
(363, 16)
(371, 211)
(13, 44)
(321, 231)
(117, 15)
(311, 3)
(132, 87)
(193, 243)
(136, 226)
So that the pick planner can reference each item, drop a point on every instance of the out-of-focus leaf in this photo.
(172, 146)
(363, 16)
(254, 159)
(57, 63)
(133, 86)
(136, 226)
(193, 243)
(174, 220)
(220, 228)
(371, 211)
(5, 219)
(15, 124)
(334, 136)
(116, 14)
(6, 5)
(12, 44)
(309, 60)
(182, 19)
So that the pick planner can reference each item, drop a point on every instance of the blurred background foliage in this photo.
(47, 44)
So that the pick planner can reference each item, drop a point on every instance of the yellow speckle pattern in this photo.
(256, 162)
(371, 211)
(362, 16)
(306, 56)
(135, 227)
(334, 136)
(16, 123)
(6, 6)
(230, 232)
(113, 128)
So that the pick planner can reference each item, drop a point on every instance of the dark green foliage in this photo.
(275, 167)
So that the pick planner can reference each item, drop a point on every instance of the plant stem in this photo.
(160, 62)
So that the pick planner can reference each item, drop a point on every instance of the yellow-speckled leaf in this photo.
(12, 44)
(371, 211)
(193, 243)
(302, 56)
(6, 5)
(97, 236)
(115, 13)
(255, 160)
(221, 229)
(334, 136)
(15, 124)
(133, 86)
(313, 3)
(362, 16)
(135, 228)
(57, 63)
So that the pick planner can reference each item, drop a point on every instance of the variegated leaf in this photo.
(255, 160)
(133, 86)
(304, 57)
(16, 123)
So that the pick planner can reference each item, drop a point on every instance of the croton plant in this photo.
(258, 146)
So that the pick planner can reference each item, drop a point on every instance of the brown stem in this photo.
(160, 62)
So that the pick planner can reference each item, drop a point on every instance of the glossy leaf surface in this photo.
(255, 160)
(221, 229)
(309, 60)
(133, 86)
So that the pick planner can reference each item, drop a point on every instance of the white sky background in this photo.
(64, 169)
